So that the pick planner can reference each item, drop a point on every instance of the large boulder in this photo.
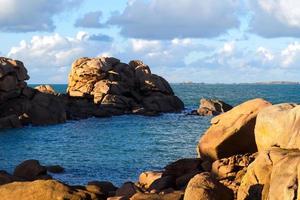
(120, 88)
(278, 125)
(30, 170)
(204, 187)
(48, 89)
(273, 175)
(232, 132)
(44, 189)
(209, 107)
(21, 105)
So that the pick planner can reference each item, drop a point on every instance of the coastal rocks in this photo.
(232, 132)
(44, 189)
(278, 125)
(46, 89)
(147, 178)
(230, 171)
(13, 75)
(127, 190)
(120, 88)
(21, 105)
(209, 107)
(102, 187)
(203, 186)
(176, 195)
(273, 175)
(31, 170)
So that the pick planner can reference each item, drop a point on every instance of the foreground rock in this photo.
(278, 125)
(204, 187)
(46, 190)
(120, 88)
(232, 133)
(210, 107)
(273, 175)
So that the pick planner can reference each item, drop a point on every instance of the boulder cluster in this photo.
(99, 87)
(212, 107)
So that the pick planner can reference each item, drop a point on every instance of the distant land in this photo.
(255, 83)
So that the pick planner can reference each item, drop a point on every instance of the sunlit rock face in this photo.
(121, 88)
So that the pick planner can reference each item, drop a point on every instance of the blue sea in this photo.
(119, 148)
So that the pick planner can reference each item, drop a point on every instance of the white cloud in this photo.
(49, 57)
(275, 18)
(265, 54)
(291, 55)
(166, 19)
(32, 15)
(140, 45)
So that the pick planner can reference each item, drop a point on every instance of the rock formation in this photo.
(232, 133)
(99, 87)
(212, 107)
(119, 88)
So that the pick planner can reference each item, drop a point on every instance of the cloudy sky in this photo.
(209, 41)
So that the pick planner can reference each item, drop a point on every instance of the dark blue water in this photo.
(119, 148)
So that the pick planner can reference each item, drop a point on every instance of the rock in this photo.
(11, 121)
(162, 183)
(182, 181)
(177, 195)
(45, 89)
(55, 169)
(147, 178)
(278, 125)
(203, 186)
(273, 175)
(182, 167)
(119, 88)
(103, 187)
(30, 170)
(230, 171)
(232, 132)
(117, 198)
(7, 178)
(43, 189)
(209, 107)
(127, 190)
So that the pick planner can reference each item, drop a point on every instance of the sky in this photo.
(211, 41)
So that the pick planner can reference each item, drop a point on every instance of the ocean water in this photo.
(119, 148)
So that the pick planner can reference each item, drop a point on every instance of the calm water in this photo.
(119, 148)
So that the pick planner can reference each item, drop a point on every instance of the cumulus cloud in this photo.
(31, 15)
(90, 20)
(166, 19)
(275, 18)
(291, 56)
(48, 58)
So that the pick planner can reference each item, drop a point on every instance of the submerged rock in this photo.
(209, 107)
(232, 132)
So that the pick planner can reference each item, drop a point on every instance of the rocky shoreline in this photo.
(250, 151)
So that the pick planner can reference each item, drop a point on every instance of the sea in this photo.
(119, 148)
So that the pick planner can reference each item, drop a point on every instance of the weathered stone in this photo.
(55, 169)
(30, 170)
(232, 132)
(45, 89)
(204, 187)
(127, 190)
(177, 195)
(278, 125)
(210, 107)
(147, 178)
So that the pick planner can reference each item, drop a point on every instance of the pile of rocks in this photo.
(118, 88)
(20, 104)
(211, 107)
(99, 87)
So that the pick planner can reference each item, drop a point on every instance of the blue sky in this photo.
(209, 41)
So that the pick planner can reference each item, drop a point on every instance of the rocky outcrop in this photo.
(118, 88)
(21, 105)
(273, 175)
(212, 107)
(203, 186)
(46, 190)
(232, 132)
(46, 89)
(279, 126)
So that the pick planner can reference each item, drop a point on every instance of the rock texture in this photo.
(210, 107)
(278, 125)
(21, 105)
(45, 89)
(273, 175)
(204, 187)
(120, 88)
(232, 132)
(46, 190)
